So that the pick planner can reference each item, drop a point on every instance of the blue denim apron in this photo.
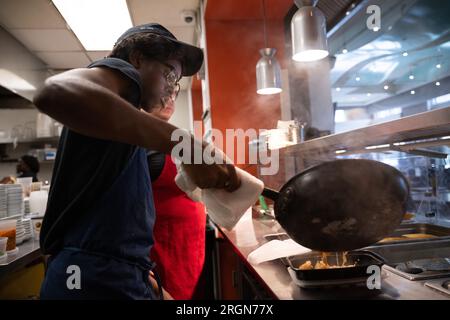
(109, 244)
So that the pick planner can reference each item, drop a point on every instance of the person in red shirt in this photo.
(179, 230)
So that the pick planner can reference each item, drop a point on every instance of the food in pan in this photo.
(389, 239)
(323, 263)
(306, 266)
(408, 236)
(419, 236)
(11, 235)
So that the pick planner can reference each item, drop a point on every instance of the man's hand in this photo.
(220, 176)
(154, 283)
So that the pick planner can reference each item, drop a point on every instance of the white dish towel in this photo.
(225, 208)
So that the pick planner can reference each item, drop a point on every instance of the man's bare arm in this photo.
(89, 102)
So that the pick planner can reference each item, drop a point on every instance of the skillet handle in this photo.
(270, 193)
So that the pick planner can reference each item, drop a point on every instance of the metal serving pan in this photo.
(439, 232)
(335, 276)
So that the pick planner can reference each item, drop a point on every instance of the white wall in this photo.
(17, 120)
(14, 122)
(20, 70)
(183, 117)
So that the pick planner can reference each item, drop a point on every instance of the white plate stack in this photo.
(28, 227)
(15, 199)
(20, 232)
(26, 204)
(3, 201)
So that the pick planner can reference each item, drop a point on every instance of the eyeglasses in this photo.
(172, 79)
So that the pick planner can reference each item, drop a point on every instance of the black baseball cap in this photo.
(191, 56)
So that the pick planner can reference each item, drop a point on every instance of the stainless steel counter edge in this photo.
(249, 234)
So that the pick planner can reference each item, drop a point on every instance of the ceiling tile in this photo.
(34, 14)
(47, 39)
(64, 60)
(167, 12)
(186, 34)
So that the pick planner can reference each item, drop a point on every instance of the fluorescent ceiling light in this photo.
(96, 23)
(14, 82)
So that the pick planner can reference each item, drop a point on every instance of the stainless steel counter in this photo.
(29, 251)
(249, 234)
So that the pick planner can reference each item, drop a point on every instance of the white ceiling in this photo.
(38, 25)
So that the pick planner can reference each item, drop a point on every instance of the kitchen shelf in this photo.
(380, 137)
(34, 140)
(46, 161)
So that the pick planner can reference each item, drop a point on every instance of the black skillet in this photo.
(341, 205)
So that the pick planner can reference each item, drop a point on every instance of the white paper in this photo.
(276, 249)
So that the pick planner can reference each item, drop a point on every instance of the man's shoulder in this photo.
(111, 61)
(114, 67)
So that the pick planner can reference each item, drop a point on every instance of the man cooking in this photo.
(100, 214)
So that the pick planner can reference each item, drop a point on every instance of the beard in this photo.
(151, 103)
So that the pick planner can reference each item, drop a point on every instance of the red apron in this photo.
(179, 233)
